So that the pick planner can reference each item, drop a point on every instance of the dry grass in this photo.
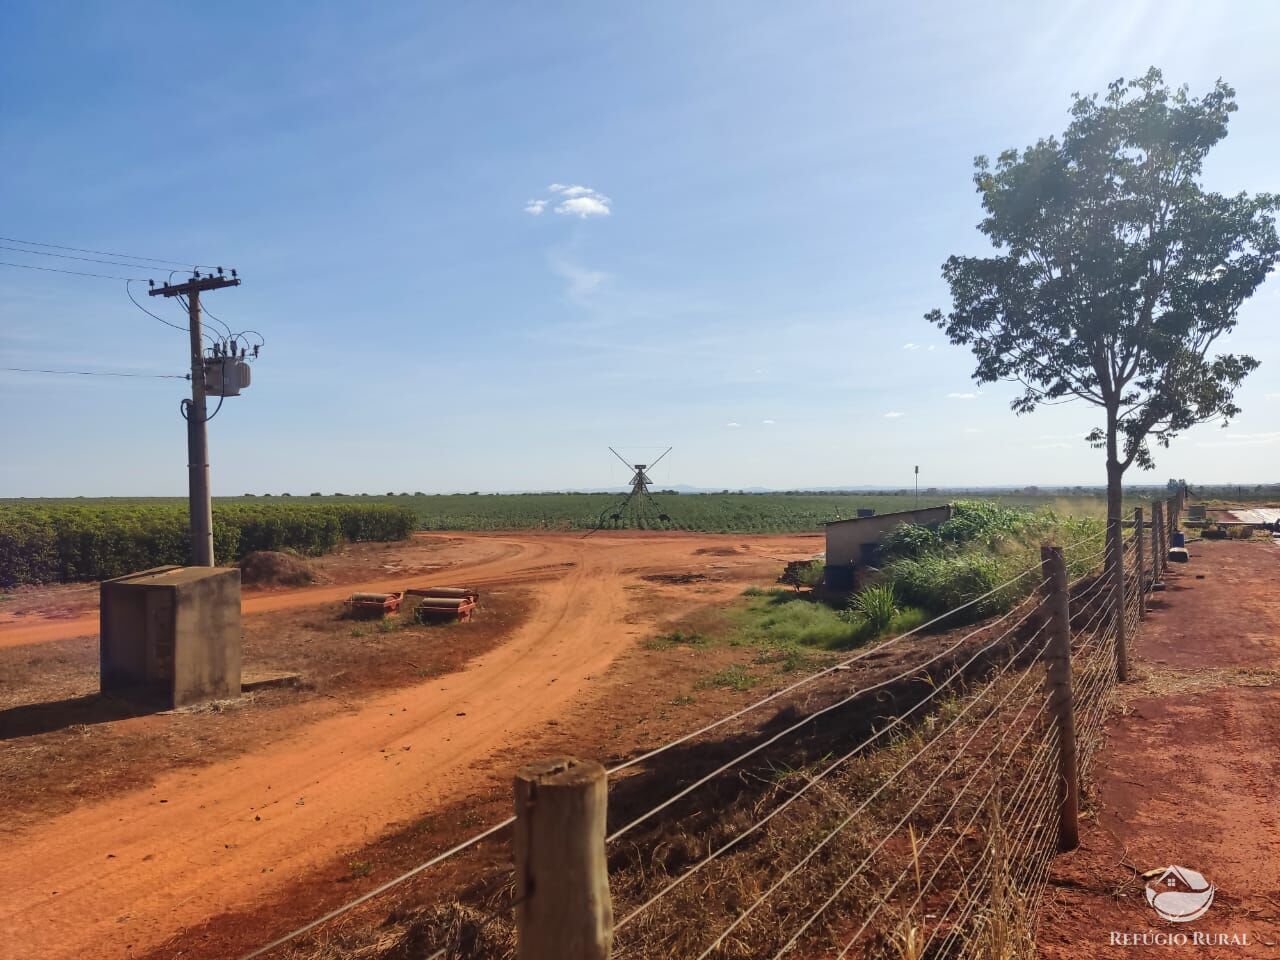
(1156, 681)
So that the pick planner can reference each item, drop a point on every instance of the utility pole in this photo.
(200, 505)
(917, 486)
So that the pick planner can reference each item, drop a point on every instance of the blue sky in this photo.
(766, 194)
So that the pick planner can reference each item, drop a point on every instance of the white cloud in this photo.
(733, 425)
(910, 346)
(932, 346)
(768, 423)
(1051, 446)
(583, 207)
(962, 396)
(1272, 396)
(894, 414)
(972, 430)
(572, 201)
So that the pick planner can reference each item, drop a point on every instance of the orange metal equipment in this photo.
(373, 604)
(444, 603)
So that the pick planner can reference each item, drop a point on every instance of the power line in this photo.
(70, 256)
(76, 273)
(101, 253)
(154, 316)
(99, 373)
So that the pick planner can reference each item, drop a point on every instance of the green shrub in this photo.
(877, 606)
(943, 582)
(910, 540)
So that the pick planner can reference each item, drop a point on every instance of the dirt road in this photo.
(1189, 774)
(116, 878)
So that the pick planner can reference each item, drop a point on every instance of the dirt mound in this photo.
(675, 577)
(271, 568)
(720, 551)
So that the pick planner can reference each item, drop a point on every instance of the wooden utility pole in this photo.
(1141, 571)
(563, 909)
(200, 506)
(1057, 607)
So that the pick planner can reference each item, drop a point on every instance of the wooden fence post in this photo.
(563, 909)
(1116, 543)
(1157, 558)
(1057, 600)
(1140, 572)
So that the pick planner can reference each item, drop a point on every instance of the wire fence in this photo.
(905, 802)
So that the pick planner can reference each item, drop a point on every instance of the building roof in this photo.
(880, 516)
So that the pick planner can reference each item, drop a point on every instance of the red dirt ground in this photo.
(1189, 775)
(118, 877)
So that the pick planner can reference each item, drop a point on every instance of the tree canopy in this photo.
(1115, 271)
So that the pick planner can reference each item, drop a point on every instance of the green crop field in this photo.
(703, 512)
(63, 540)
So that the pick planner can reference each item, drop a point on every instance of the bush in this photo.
(983, 521)
(803, 573)
(876, 605)
(943, 582)
(909, 540)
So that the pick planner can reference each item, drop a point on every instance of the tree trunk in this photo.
(1115, 485)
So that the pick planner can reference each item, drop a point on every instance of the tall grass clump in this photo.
(877, 605)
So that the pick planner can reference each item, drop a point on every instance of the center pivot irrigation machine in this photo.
(637, 508)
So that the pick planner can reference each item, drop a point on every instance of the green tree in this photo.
(1115, 271)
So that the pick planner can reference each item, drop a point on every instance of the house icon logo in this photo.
(1179, 894)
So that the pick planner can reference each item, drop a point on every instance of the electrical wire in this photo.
(154, 316)
(101, 253)
(100, 373)
(186, 305)
(68, 256)
(74, 273)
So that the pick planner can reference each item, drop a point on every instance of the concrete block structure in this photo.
(170, 636)
(852, 543)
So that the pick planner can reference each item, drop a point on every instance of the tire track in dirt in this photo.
(119, 877)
